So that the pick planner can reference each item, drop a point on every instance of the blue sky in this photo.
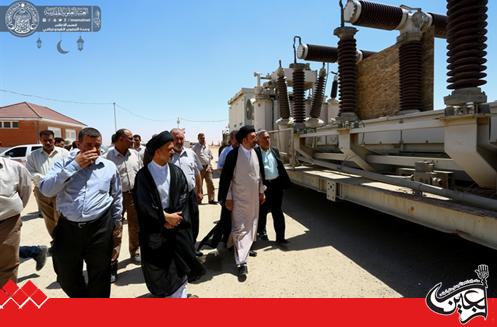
(164, 59)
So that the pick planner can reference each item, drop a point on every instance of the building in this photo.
(22, 122)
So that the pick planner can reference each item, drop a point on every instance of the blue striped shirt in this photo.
(84, 194)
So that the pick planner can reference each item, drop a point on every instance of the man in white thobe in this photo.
(245, 193)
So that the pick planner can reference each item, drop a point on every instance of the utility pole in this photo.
(115, 117)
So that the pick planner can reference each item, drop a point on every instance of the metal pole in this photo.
(115, 118)
(463, 197)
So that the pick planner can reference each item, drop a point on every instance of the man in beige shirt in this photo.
(15, 189)
(128, 163)
(39, 163)
(205, 155)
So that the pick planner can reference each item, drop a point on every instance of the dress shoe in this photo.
(136, 258)
(41, 258)
(198, 253)
(281, 241)
(252, 253)
(113, 273)
(212, 202)
(263, 237)
(242, 272)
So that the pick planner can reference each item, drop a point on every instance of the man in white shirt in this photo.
(39, 163)
(137, 145)
(190, 164)
(15, 189)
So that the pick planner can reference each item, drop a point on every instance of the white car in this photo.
(20, 153)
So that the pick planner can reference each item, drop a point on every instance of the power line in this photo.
(129, 111)
(55, 100)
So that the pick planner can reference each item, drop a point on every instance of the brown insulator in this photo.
(321, 53)
(347, 71)
(298, 93)
(283, 96)
(440, 24)
(410, 70)
(317, 100)
(378, 15)
(466, 39)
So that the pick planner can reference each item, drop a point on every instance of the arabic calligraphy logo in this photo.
(469, 298)
(22, 18)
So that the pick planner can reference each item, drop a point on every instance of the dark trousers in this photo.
(195, 215)
(91, 243)
(274, 199)
(28, 252)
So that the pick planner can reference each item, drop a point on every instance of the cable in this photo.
(53, 99)
(131, 112)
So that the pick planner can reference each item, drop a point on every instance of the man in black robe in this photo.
(166, 241)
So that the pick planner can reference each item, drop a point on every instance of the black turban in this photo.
(157, 141)
(243, 132)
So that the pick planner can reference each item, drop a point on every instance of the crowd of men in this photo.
(84, 198)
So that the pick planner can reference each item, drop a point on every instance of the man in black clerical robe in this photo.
(166, 241)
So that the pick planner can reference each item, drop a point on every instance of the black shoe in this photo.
(252, 253)
(212, 202)
(263, 237)
(281, 241)
(242, 272)
(198, 253)
(41, 258)
(113, 273)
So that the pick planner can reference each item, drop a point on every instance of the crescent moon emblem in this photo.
(59, 48)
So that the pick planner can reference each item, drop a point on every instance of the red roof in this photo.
(30, 110)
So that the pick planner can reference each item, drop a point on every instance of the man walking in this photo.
(137, 145)
(128, 163)
(15, 189)
(190, 164)
(39, 163)
(241, 190)
(162, 202)
(276, 179)
(205, 156)
(89, 199)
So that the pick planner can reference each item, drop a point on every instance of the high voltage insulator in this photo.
(466, 38)
(386, 17)
(347, 69)
(298, 93)
(320, 53)
(317, 100)
(410, 70)
(282, 95)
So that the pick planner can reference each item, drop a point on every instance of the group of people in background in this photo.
(84, 198)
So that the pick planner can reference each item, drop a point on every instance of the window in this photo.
(9, 124)
(17, 152)
(57, 132)
(71, 134)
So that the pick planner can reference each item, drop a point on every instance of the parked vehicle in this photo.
(20, 152)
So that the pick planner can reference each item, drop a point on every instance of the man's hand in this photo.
(84, 159)
(229, 205)
(262, 198)
(173, 219)
(200, 196)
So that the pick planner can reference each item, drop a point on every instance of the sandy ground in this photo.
(335, 250)
(295, 270)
